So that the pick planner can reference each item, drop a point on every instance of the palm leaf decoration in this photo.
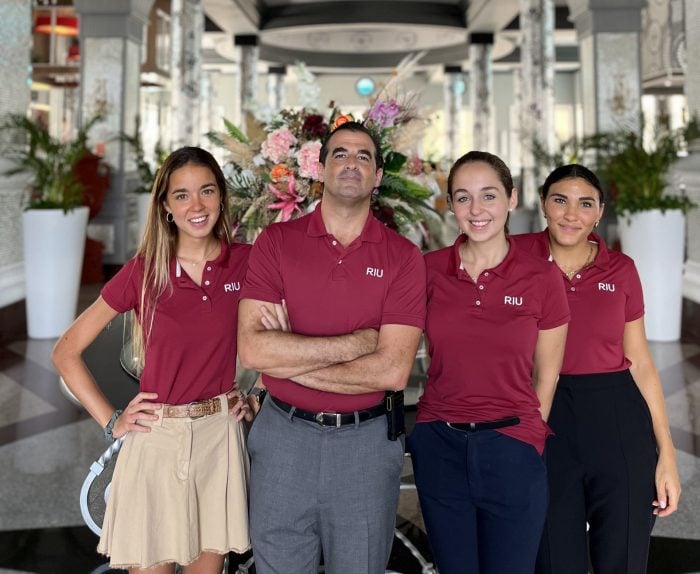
(49, 161)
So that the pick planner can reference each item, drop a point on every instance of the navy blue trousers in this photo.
(483, 497)
(601, 464)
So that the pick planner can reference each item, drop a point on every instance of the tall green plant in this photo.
(48, 160)
(636, 177)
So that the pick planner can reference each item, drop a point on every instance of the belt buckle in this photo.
(199, 404)
(319, 418)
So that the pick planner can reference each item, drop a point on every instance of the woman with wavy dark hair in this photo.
(611, 461)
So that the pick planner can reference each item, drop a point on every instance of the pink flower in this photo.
(307, 158)
(277, 145)
(287, 203)
(384, 113)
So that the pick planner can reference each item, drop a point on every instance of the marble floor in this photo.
(47, 444)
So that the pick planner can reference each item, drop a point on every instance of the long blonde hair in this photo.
(159, 242)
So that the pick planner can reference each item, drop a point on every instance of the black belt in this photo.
(331, 419)
(487, 425)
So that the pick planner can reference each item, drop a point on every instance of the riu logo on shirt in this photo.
(231, 287)
(512, 300)
(606, 287)
(375, 272)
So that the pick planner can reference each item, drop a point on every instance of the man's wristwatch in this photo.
(109, 427)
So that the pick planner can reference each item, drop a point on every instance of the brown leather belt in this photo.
(196, 409)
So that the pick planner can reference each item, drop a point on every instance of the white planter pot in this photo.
(656, 242)
(54, 244)
(143, 202)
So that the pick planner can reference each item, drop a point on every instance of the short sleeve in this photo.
(406, 298)
(121, 292)
(263, 280)
(634, 305)
(555, 306)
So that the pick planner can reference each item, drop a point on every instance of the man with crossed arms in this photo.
(331, 313)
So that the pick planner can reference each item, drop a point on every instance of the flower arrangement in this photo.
(273, 169)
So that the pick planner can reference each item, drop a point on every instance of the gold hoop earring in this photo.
(222, 206)
(169, 217)
(597, 222)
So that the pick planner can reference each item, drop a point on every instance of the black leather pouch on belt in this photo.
(396, 424)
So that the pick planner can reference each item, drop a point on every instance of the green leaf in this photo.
(235, 132)
(394, 161)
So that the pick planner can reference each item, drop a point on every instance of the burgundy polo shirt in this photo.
(602, 298)
(191, 353)
(379, 279)
(482, 338)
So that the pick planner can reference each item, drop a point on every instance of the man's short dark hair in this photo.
(353, 127)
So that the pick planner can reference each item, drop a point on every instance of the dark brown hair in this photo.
(494, 161)
(353, 127)
(572, 171)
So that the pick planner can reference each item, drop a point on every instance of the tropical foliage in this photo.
(636, 174)
(50, 161)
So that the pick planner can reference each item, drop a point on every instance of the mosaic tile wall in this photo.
(692, 56)
(15, 31)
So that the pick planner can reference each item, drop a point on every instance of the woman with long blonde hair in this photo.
(179, 492)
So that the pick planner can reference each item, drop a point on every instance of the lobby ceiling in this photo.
(366, 34)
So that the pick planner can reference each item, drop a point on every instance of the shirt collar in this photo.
(371, 232)
(602, 258)
(502, 269)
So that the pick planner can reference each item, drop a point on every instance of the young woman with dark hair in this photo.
(611, 461)
(496, 326)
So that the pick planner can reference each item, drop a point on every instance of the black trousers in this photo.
(601, 465)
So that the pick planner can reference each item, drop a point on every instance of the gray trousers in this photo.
(322, 490)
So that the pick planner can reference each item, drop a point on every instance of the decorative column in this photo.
(609, 49)
(248, 75)
(15, 66)
(275, 87)
(206, 121)
(111, 34)
(692, 55)
(537, 84)
(177, 104)
(454, 89)
(187, 25)
(481, 74)
(686, 172)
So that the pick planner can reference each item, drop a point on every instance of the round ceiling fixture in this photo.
(365, 86)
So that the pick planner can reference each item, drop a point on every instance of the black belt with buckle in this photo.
(487, 425)
(331, 419)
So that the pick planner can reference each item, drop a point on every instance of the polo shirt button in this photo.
(204, 297)
(486, 274)
(206, 282)
(573, 288)
(208, 268)
(335, 242)
(478, 302)
(481, 287)
(340, 261)
(578, 276)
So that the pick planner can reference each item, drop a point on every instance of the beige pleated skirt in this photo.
(178, 491)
